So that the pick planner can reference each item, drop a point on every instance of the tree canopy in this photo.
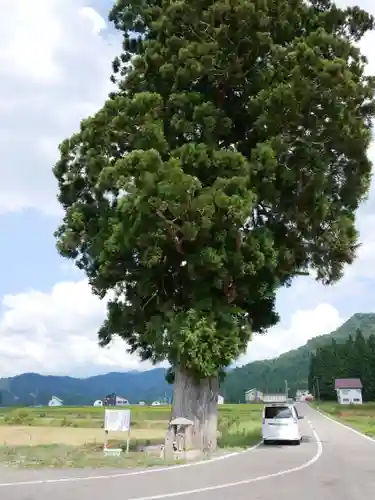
(353, 359)
(231, 158)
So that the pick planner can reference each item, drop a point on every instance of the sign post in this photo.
(116, 421)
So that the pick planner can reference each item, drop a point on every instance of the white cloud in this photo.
(56, 333)
(54, 71)
(96, 21)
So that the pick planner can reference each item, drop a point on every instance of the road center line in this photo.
(223, 486)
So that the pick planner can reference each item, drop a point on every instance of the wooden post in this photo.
(128, 442)
(105, 439)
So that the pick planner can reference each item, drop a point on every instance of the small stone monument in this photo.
(178, 438)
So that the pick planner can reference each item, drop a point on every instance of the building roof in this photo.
(252, 390)
(348, 383)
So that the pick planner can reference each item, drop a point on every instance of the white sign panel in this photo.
(117, 420)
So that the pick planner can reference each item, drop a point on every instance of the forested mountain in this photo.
(293, 366)
(32, 388)
(354, 358)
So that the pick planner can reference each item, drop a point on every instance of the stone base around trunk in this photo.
(157, 451)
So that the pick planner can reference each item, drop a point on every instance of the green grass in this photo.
(360, 417)
(79, 416)
(65, 457)
(239, 425)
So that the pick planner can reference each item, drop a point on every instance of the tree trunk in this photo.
(197, 401)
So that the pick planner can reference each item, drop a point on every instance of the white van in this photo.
(280, 423)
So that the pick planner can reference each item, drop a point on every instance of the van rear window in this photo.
(278, 412)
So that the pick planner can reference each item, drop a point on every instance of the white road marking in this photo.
(345, 426)
(315, 458)
(129, 474)
(186, 492)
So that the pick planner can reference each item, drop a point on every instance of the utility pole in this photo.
(286, 389)
(317, 383)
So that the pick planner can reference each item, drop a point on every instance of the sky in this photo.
(55, 62)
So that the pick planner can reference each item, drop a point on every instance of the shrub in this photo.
(238, 439)
(66, 422)
(19, 417)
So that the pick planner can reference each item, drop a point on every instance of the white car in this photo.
(280, 423)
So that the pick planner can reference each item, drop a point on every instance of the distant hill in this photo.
(268, 375)
(32, 388)
(293, 366)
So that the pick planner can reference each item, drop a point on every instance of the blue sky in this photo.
(48, 316)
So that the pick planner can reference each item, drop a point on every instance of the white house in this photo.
(220, 400)
(253, 395)
(55, 401)
(349, 391)
(274, 398)
(98, 403)
(121, 401)
(156, 403)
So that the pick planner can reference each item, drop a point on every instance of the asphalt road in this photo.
(332, 463)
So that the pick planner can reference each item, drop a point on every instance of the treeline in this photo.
(353, 359)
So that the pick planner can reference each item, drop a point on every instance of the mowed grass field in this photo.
(360, 417)
(73, 437)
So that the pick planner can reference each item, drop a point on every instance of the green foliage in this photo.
(230, 159)
(239, 425)
(353, 359)
(269, 375)
(20, 416)
(239, 437)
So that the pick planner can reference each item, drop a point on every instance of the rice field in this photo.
(74, 436)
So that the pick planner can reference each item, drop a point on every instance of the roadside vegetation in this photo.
(71, 437)
(360, 417)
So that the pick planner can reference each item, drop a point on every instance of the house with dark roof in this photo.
(349, 391)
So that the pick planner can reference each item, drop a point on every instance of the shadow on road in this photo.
(278, 444)
(291, 444)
